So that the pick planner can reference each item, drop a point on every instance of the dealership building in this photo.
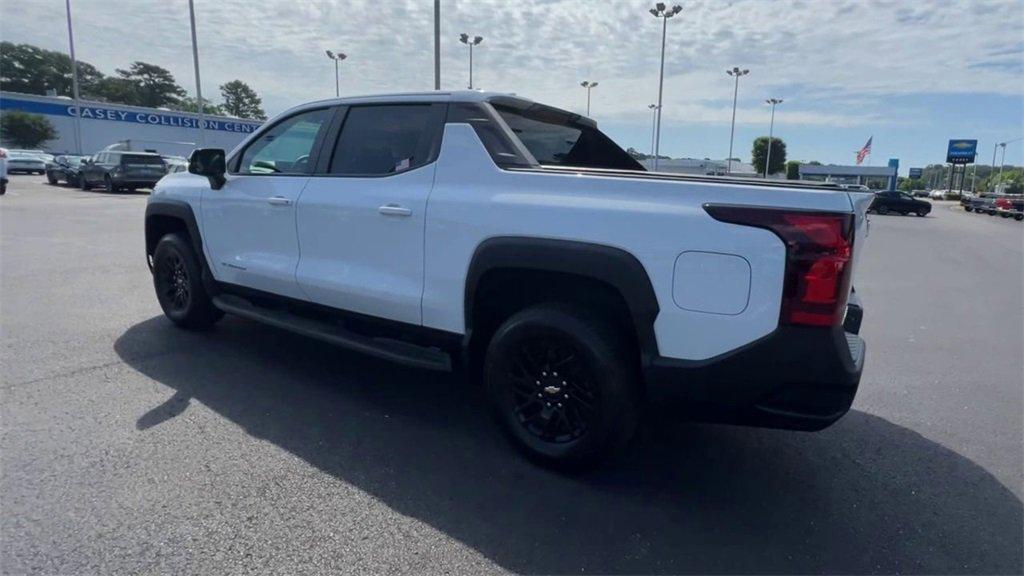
(103, 124)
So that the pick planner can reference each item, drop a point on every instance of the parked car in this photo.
(919, 193)
(1009, 206)
(899, 202)
(25, 163)
(980, 203)
(937, 194)
(66, 167)
(856, 187)
(117, 170)
(175, 163)
(42, 154)
(3, 171)
(517, 240)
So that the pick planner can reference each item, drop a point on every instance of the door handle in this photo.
(393, 209)
(279, 201)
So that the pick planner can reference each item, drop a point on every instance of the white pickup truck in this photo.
(517, 242)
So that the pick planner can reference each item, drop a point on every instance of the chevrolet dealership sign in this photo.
(961, 151)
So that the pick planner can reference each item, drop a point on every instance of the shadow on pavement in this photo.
(863, 496)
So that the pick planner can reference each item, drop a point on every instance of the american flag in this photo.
(863, 152)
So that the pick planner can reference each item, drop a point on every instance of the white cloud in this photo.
(834, 62)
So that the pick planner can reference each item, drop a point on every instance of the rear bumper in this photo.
(798, 378)
(136, 182)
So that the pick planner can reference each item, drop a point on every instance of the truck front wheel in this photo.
(563, 384)
(178, 284)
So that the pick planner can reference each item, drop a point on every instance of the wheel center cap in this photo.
(552, 390)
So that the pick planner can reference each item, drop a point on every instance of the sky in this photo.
(910, 74)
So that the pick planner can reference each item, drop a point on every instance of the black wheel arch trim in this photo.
(613, 266)
(179, 210)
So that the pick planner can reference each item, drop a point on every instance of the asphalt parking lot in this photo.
(129, 446)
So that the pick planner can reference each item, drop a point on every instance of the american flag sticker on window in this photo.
(403, 164)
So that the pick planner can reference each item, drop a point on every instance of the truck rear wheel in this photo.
(563, 385)
(179, 287)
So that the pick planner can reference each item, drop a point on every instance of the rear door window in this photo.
(377, 140)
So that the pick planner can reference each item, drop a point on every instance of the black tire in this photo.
(108, 184)
(577, 419)
(882, 210)
(178, 283)
(1018, 217)
(51, 179)
(968, 208)
(921, 212)
(83, 183)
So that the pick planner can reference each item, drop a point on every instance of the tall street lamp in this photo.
(195, 64)
(465, 39)
(74, 81)
(1002, 159)
(735, 73)
(660, 11)
(588, 85)
(654, 121)
(337, 57)
(771, 130)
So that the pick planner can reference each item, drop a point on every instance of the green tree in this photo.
(151, 85)
(24, 130)
(190, 104)
(241, 100)
(792, 170)
(31, 70)
(760, 152)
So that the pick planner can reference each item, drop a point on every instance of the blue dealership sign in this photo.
(962, 151)
(118, 114)
(916, 173)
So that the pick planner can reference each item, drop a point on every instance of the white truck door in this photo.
(361, 224)
(249, 224)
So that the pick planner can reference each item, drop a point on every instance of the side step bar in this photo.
(386, 349)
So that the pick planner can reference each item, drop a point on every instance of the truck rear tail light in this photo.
(819, 252)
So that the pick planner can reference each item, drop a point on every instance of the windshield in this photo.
(559, 138)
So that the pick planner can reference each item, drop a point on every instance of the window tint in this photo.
(389, 139)
(286, 147)
(138, 159)
(559, 138)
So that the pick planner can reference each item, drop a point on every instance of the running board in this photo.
(384, 348)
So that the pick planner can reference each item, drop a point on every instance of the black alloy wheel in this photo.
(563, 382)
(553, 392)
(177, 279)
(172, 281)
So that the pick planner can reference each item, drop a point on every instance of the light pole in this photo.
(736, 73)
(660, 11)
(654, 121)
(588, 85)
(74, 81)
(475, 40)
(337, 58)
(1002, 159)
(195, 64)
(771, 131)
(437, 44)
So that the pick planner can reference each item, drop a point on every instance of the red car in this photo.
(1007, 206)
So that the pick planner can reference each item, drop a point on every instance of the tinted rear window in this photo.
(386, 139)
(559, 138)
(138, 159)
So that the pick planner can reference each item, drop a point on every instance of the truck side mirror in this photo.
(208, 162)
